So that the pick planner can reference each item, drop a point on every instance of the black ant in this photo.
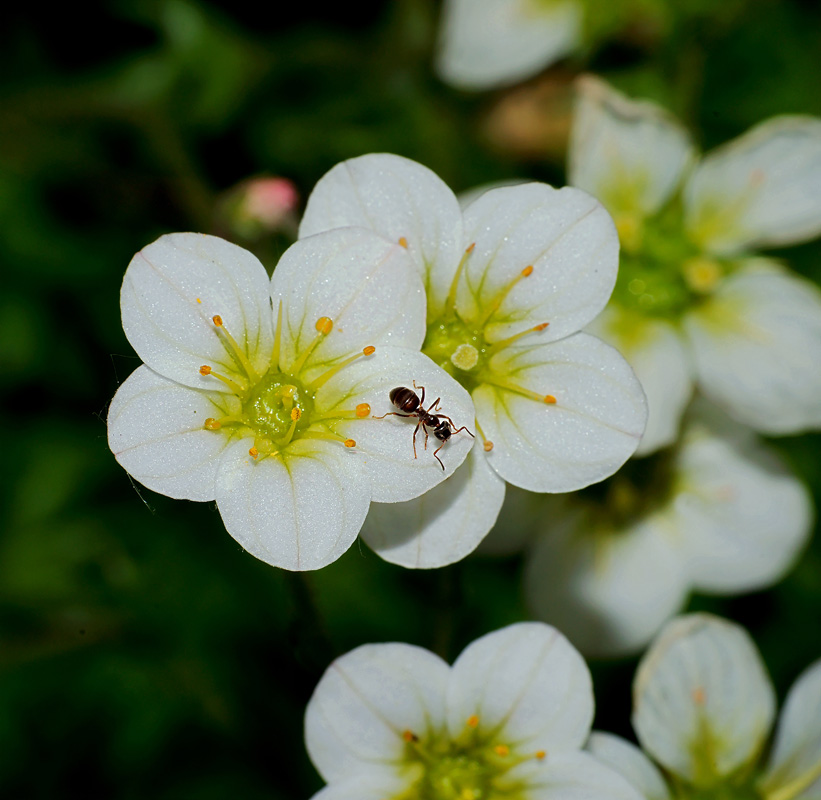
(443, 427)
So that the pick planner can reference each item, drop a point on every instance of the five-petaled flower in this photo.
(510, 282)
(507, 720)
(260, 394)
(703, 706)
(719, 513)
(691, 303)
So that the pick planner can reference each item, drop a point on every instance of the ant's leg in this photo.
(420, 389)
(463, 428)
(394, 414)
(437, 457)
(414, 437)
(425, 428)
(434, 405)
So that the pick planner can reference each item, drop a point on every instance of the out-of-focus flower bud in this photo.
(259, 206)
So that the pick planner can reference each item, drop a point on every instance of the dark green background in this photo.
(142, 653)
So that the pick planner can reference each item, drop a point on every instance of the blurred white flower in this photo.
(507, 720)
(692, 304)
(486, 43)
(703, 708)
(260, 393)
(719, 513)
(510, 282)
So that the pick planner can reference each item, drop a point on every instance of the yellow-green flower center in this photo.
(269, 409)
(459, 349)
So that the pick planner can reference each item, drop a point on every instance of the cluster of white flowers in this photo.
(264, 395)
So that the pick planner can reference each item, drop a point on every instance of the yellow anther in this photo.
(527, 271)
(540, 754)
(488, 445)
(473, 721)
(212, 424)
(369, 350)
(501, 750)
(699, 697)
(469, 248)
(253, 452)
(541, 326)
(217, 320)
(205, 370)
(349, 443)
(362, 410)
(502, 343)
(199, 301)
(326, 376)
(324, 325)
(295, 413)
(410, 736)
(494, 305)
(403, 242)
(549, 399)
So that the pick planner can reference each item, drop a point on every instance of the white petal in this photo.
(592, 429)
(364, 283)
(298, 511)
(485, 43)
(366, 700)
(528, 687)
(795, 761)
(375, 782)
(743, 516)
(569, 776)
(155, 430)
(630, 762)
(386, 445)
(759, 190)
(171, 291)
(703, 703)
(565, 235)
(655, 351)
(629, 154)
(443, 525)
(757, 346)
(609, 589)
(397, 198)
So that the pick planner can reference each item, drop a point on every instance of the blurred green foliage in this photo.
(142, 653)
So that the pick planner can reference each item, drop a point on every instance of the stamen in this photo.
(488, 445)
(549, 399)
(326, 376)
(235, 350)
(503, 293)
(295, 415)
(360, 412)
(212, 424)
(502, 343)
(328, 435)
(540, 754)
(277, 338)
(253, 452)
(233, 385)
(199, 301)
(409, 736)
(264, 446)
(324, 325)
(472, 721)
(403, 242)
(501, 750)
(451, 301)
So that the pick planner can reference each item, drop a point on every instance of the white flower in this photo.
(703, 708)
(509, 283)
(486, 43)
(719, 514)
(260, 394)
(691, 303)
(507, 720)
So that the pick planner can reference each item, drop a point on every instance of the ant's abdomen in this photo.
(404, 399)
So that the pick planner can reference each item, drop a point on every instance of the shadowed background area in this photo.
(142, 653)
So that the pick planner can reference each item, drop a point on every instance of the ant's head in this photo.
(442, 430)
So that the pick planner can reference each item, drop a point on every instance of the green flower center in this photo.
(661, 272)
(277, 407)
(470, 767)
(459, 349)
(270, 408)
